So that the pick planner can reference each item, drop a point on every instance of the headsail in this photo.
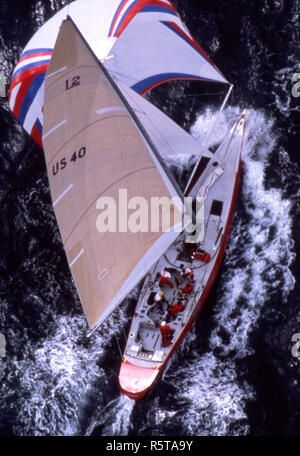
(169, 138)
(94, 149)
(146, 41)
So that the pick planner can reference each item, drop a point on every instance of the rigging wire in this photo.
(121, 355)
(124, 332)
(167, 145)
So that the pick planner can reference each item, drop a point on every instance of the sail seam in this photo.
(62, 195)
(103, 191)
(76, 258)
(82, 129)
(54, 128)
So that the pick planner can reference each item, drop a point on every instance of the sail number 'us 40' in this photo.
(63, 163)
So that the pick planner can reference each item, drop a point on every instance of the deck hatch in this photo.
(216, 208)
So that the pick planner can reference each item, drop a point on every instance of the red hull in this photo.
(130, 374)
(135, 381)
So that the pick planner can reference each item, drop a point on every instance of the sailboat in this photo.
(77, 89)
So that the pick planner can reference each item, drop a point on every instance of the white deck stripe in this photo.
(76, 258)
(110, 108)
(54, 128)
(62, 195)
(55, 72)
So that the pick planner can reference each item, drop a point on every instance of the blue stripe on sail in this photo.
(189, 40)
(125, 14)
(36, 51)
(30, 95)
(167, 24)
(115, 15)
(158, 9)
(153, 80)
(31, 65)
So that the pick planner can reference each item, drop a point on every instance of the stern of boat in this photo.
(134, 380)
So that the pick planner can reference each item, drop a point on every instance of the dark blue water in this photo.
(234, 373)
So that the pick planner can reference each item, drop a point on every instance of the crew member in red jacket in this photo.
(186, 273)
(187, 289)
(165, 279)
(176, 308)
(166, 333)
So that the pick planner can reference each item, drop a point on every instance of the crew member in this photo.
(165, 279)
(176, 308)
(159, 299)
(166, 333)
(186, 273)
(188, 288)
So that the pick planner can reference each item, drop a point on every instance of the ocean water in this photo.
(237, 357)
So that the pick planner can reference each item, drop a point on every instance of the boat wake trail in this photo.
(114, 418)
(67, 380)
(55, 381)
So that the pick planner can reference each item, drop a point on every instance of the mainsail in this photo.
(142, 42)
(94, 148)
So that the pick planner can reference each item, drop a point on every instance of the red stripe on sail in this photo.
(36, 135)
(21, 95)
(34, 54)
(116, 17)
(129, 16)
(165, 5)
(193, 43)
(27, 74)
